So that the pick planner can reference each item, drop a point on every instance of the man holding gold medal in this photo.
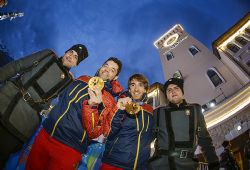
(69, 127)
(130, 135)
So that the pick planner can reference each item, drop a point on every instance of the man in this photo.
(77, 118)
(179, 128)
(128, 141)
(27, 86)
(227, 160)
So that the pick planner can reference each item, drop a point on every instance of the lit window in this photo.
(214, 77)
(241, 40)
(232, 47)
(212, 103)
(169, 56)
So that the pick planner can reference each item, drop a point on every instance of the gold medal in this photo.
(96, 82)
(132, 108)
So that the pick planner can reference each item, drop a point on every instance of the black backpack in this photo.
(22, 98)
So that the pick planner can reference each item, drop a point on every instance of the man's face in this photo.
(70, 59)
(174, 94)
(136, 89)
(109, 70)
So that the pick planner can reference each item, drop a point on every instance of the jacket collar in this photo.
(174, 105)
(60, 60)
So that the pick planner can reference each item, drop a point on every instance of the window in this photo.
(214, 77)
(178, 75)
(241, 40)
(193, 50)
(247, 30)
(169, 56)
(232, 47)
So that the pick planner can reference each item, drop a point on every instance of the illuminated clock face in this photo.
(171, 40)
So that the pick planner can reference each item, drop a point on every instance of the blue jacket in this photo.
(70, 122)
(64, 122)
(128, 143)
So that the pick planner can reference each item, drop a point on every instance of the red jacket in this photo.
(102, 114)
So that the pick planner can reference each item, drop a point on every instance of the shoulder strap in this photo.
(36, 62)
(157, 129)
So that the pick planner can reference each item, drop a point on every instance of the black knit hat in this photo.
(176, 81)
(225, 143)
(81, 51)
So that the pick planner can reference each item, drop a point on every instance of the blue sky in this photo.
(122, 28)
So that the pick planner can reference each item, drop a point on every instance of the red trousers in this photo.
(105, 166)
(50, 154)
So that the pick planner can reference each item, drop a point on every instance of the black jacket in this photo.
(228, 161)
(186, 130)
(27, 86)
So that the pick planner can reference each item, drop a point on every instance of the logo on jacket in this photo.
(187, 112)
(62, 76)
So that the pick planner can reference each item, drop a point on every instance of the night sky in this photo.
(122, 28)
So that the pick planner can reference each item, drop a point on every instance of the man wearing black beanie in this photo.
(27, 86)
(79, 50)
(179, 128)
(174, 91)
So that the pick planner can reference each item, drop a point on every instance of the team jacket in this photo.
(128, 142)
(69, 123)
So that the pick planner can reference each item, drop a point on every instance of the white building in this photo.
(206, 78)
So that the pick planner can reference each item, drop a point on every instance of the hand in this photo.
(95, 95)
(121, 103)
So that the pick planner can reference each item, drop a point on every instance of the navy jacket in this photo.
(128, 143)
(64, 122)
(72, 121)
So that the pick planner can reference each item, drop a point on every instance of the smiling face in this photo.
(70, 59)
(174, 94)
(136, 89)
(109, 71)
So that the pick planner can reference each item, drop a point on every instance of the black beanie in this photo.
(81, 51)
(176, 81)
(225, 143)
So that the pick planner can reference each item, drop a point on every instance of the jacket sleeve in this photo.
(92, 120)
(19, 66)
(205, 141)
(97, 119)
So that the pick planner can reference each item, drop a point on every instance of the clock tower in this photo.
(206, 78)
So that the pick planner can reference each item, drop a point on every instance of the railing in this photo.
(203, 166)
